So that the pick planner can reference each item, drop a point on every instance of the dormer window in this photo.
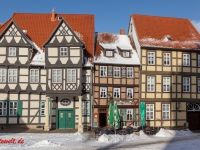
(126, 54)
(109, 53)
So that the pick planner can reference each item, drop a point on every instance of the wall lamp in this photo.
(178, 105)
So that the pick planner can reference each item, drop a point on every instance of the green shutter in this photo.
(19, 108)
(134, 114)
(123, 114)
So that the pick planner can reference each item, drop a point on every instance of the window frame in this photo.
(62, 52)
(115, 70)
(167, 57)
(165, 84)
(150, 111)
(148, 58)
(101, 91)
(110, 54)
(198, 58)
(117, 92)
(34, 76)
(12, 51)
(9, 109)
(104, 69)
(3, 76)
(57, 77)
(129, 115)
(151, 84)
(186, 84)
(86, 108)
(124, 54)
(187, 61)
(127, 89)
(2, 108)
(166, 111)
(198, 84)
(11, 70)
(71, 76)
(128, 70)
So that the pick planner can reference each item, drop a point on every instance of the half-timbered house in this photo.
(45, 70)
(168, 49)
(116, 77)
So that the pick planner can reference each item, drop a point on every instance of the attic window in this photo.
(109, 53)
(60, 18)
(126, 54)
(64, 32)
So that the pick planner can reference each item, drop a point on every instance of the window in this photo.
(165, 111)
(71, 75)
(186, 59)
(103, 92)
(103, 71)
(129, 115)
(116, 92)
(42, 108)
(149, 111)
(129, 93)
(3, 107)
(150, 84)
(166, 84)
(198, 60)
(57, 75)
(86, 107)
(129, 72)
(13, 108)
(186, 84)
(151, 58)
(34, 75)
(125, 54)
(166, 59)
(116, 71)
(198, 85)
(12, 75)
(109, 53)
(63, 51)
(12, 51)
(2, 75)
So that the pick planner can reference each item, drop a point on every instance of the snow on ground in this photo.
(163, 140)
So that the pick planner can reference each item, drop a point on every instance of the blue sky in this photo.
(110, 15)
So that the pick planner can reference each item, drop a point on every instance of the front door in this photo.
(65, 119)
(102, 120)
(193, 120)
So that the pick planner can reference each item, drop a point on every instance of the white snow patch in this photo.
(173, 133)
(45, 143)
(39, 59)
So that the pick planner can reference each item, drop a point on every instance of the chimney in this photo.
(122, 31)
(53, 15)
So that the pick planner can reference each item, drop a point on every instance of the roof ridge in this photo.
(160, 16)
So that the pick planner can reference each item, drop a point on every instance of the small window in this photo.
(186, 59)
(13, 108)
(129, 93)
(103, 92)
(103, 71)
(3, 108)
(12, 75)
(63, 51)
(64, 32)
(2, 75)
(42, 108)
(151, 58)
(12, 51)
(116, 93)
(129, 114)
(125, 54)
(198, 85)
(149, 111)
(34, 75)
(166, 84)
(57, 76)
(71, 75)
(186, 84)
(166, 59)
(199, 60)
(165, 111)
(109, 53)
(86, 107)
(129, 72)
(150, 84)
(116, 72)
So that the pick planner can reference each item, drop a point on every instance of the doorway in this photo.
(193, 118)
(65, 119)
(102, 120)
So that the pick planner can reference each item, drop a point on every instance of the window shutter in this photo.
(123, 114)
(19, 108)
(134, 114)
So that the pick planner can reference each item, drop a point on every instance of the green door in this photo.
(66, 119)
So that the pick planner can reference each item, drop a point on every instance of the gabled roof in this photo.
(39, 27)
(113, 42)
(177, 33)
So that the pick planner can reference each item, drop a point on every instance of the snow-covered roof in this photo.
(39, 59)
(107, 46)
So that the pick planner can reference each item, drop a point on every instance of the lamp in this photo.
(178, 105)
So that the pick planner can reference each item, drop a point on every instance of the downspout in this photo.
(91, 95)
(139, 119)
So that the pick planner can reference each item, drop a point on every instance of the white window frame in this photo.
(198, 79)
(150, 84)
(12, 77)
(186, 84)
(151, 58)
(3, 75)
(125, 54)
(103, 71)
(116, 92)
(34, 78)
(63, 51)
(129, 114)
(103, 91)
(71, 77)
(12, 51)
(3, 108)
(116, 72)
(165, 111)
(149, 111)
(130, 72)
(109, 53)
(56, 77)
(166, 59)
(186, 59)
(129, 93)
(13, 110)
(166, 84)
(42, 108)
(86, 107)
(198, 60)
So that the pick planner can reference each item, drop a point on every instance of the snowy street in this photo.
(163, 140)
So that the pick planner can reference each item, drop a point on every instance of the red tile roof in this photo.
(154, 31)
(40, 27)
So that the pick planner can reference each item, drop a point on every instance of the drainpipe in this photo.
(91, 95)
(139, 119)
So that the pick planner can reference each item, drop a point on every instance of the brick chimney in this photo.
(122, 31)
(53, 16)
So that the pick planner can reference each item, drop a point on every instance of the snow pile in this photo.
(45, 143)
(143, 135)
(173, 133)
